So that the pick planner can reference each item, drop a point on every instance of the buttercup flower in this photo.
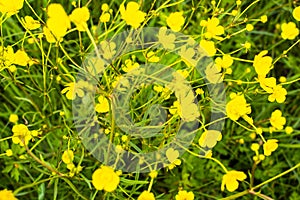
(237, 107)
(58, 21)
(132, 15)
(270, 146)
(145, 195)
(79, 17)
(68, 156)
(296, 13)
(230, 180)
(184, 195)
(30, 23)
(105, 179)
(172, 156)
(210, 138)
(72, 89)
(175, 21)
(103, 105)
(21, 134)
(279, 94)
(21, 58)
(11, 7)
(289, 31)
(262, 63)
(7, 195)
(13, 118)
(167, 41)
(276, 120)
(209, 47)
(213, 28)
(129, 65)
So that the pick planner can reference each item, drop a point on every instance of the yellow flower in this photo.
(7, 195)
(267, 83)
(79, 17)
(30, 23)
(276, 120)
(237, 107)
(152, 57)
(249, 27)
(279, 94)
(145, 195)
(224, 62)
(296, 13)
(213, 28)
(103, 105)
(68, 156)
(108, 49)
(13, 118)
(105, 179)
(21, 134)
(270, 146)
(289, 130)
(172, 156)
(175, 21)
(58, 21)
(72, 89)
(210, 138)
(105, 17)
(129, 65)
(21, 58)
(49, 36)
(167, 41)
(264, 18)
(132, 15)
(209, 47)
(10, 7)
(184, 195)
(289, 31)
(9, 152)
(231, 178)
(262, 63)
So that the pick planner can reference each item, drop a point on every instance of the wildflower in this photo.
(172, 156)
(104, 17)
(132, 15)
(153, 174)
(276, 120)
(199, 91)
(8, 152)
(21, 58)
(279, 94)
(30, 23)
(264, 18)
(13, 118)
(255, 147)
(145, 195)
(129, 65)
(231, 178)
(289, 130)
(187, 55)
(68, 156)
(105, 179)
(108, 49)
(11, 7)
(49, 36)
(21, 134)
(289, 31)
(237, 107)
(262, 63)
(296, 13)
(184, 195)
(282, 79)
(224, 63)
(103, 105)
(270, 146)
(72, 90)
(249, 27)
(58, 21)
(267, 83)
(175, 21)
(79, 17)
(209, 47)
(210, 138)
(7, 194)
(167, 41)
(104, 7)
(152, 57)
(213, 29)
